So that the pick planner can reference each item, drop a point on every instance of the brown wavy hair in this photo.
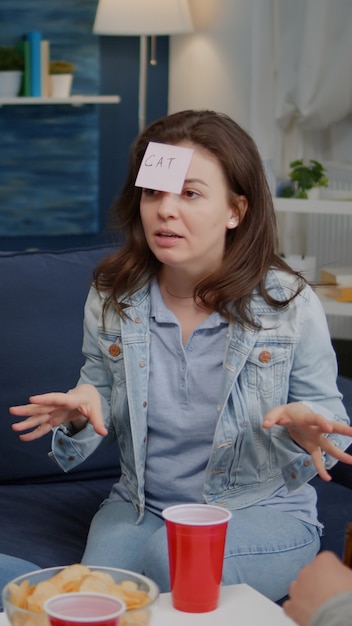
(250, 249)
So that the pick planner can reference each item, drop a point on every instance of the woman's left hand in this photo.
(308, 430)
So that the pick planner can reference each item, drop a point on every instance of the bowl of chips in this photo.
(24, 596)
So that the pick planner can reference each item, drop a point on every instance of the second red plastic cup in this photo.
(84, 609)
(196, 541)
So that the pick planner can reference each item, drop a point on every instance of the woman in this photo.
(210, 361)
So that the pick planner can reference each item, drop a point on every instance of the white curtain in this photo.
(313, 103)
(313, 108)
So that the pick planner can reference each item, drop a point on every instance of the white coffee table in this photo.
(239, 604)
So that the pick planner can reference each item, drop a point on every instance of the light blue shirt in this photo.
(183, 391)
(184, 387)
(184, 383)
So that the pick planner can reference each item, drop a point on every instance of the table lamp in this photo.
(143, 18)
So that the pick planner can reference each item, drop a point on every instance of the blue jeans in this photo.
(265, 548)
(11, 567)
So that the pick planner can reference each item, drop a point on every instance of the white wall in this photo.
(211, 67)
(227, 65)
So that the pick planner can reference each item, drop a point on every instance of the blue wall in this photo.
(111, 127)
(119, 124)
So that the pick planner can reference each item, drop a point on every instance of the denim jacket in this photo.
(288, 359)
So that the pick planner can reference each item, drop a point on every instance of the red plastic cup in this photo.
(84, 609)
(196, 536)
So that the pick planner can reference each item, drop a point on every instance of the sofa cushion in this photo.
(334, 511)
(42, 302)
(47, 524)
(341, 472)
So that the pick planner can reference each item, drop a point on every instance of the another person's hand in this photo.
(308, 430)
(316, 583)
(45, 411)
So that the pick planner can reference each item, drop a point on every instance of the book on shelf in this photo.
(341, 276)
(35, 38)
(340, 294)
(23, 49)
(27, 69)
(45, 64)
(36, 70)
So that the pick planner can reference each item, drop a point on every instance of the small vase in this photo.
(313, 193)
(60, 85)
(10, 84)
(305, 264)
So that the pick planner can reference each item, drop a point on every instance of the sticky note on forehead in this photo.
(164, 167)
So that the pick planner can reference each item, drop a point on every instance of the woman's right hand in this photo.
(47, 410)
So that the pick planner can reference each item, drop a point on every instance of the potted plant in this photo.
(11, 70)
(61, 77)
(305, 177)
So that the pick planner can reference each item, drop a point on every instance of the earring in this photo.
(232, 223)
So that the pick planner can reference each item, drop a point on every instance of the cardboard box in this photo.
(341, 276)
(340, 294)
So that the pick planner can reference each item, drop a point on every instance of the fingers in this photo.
(40, 405)
(286, 416)
(330, 448)
(42, 414)
(297, 415)
(341, 429)
(307, 429)
(38, 416)
(318, 461)
(271, 417)
(56, 398)
(31, 422)
(99, 427)
(40, 431)
(30, 409)
(46, 411)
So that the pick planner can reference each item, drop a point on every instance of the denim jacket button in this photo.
(306, 463)
(114, 350)
(138, 320)
(265, 356)
(293, 474)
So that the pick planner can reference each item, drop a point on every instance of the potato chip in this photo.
(95, 584)
(41, 592)
(77, 577)
(129, 585)
(18, 593)
(135, 618)
(133, 597)
(104, 575)
(69, 579)
(22, 619)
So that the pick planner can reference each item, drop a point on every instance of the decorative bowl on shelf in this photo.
(24, 596)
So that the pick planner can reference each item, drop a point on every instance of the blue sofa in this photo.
(44, 513)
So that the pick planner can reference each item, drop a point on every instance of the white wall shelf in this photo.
(327, 207)
(74, 100)
(320, 207)
(331, 307)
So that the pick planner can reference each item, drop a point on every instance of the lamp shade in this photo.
(142, 17)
